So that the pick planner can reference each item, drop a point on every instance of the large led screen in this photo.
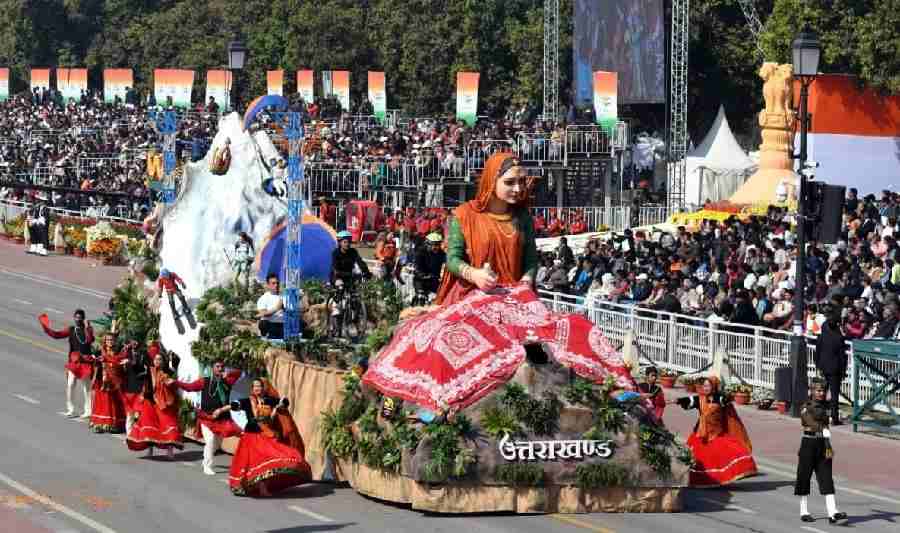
(623, 36)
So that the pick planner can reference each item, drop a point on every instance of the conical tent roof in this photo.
(719, 148)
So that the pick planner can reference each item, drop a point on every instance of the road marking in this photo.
(56, 283)
(74, 515)
(307, 512)
(187, 464)
(812, 529)
(579, 523)
(23, 302)
(52, 310)
(793, 475)
(26, 340)
(729, 506)
(28, 399)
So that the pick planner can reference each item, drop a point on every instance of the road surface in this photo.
(57, 476)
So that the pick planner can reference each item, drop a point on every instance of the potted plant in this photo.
(741, 393)
(667, 379)
(689, 383)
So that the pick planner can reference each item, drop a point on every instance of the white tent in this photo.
(718, 166)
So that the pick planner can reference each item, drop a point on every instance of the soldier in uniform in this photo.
(38, 228)
(816, 455)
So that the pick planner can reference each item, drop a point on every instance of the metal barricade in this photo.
(478, 152)
(330, 180)
(540, 149)
(587, 141)
(689, 344)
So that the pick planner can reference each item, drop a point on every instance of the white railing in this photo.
(13, 208)
(595, 218)
(478, 151)
(647, 216)
(334, 180)
(688, 344)
(587, 141)
(540, 148)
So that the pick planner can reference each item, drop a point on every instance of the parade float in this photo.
(492, 403)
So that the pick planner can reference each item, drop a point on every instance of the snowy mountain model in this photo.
(201, 227)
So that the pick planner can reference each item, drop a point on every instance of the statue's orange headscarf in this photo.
(483, 246)
(494, 167)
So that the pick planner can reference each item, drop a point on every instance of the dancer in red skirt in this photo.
(108, 415)
(722, 450)
(269, 456)
(213, 419)
(157, 422)
(78, 367)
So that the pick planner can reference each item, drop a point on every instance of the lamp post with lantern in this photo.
(237, 57)
(805, 54)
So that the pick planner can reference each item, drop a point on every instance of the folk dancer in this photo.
(78, 367)
(108, 415)
(213, 416)
(650, 390)
(722, 449)
(157, 421)
(270, 455)
(816, 455)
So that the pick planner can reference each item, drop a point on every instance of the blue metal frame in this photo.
(167, 125)
(292, 125)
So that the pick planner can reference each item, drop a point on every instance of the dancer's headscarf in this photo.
(732, 425)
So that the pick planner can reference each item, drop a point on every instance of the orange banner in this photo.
(467, 97)
(218, 86)
(40, 77)
(4, 84)
(71, 82)
(175, 84)
(116, 82)
(340, 86)
(377, 94)
(275, 82)
(305, 85)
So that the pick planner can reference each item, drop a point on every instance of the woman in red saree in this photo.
(157, 422)
(108, 415)
(490, 240)
(270, 455)
(722, 449)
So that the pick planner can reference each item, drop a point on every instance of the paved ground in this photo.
(57, 476)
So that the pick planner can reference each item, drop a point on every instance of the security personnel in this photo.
(816, 455)
(430, 261)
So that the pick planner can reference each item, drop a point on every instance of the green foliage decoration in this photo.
(600, 475)
(497, 421)
(540, 416)
(520, 475)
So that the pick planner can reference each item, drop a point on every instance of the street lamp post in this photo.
(806, 53)
(237, 57)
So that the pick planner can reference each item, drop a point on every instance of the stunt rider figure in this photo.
(170, 282)
(343, 259)
(430, 260)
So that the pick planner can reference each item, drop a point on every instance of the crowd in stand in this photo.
(87, 145)
(743, 271)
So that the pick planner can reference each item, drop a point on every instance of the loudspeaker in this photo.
(831, 214)
(783, 384)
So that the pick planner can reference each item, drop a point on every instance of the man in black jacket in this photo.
(831, 360)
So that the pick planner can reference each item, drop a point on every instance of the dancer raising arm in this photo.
(78, 367)
(213, 416)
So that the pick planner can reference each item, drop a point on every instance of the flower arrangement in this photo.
(15, 227)
(103, 241)
(75, 236)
